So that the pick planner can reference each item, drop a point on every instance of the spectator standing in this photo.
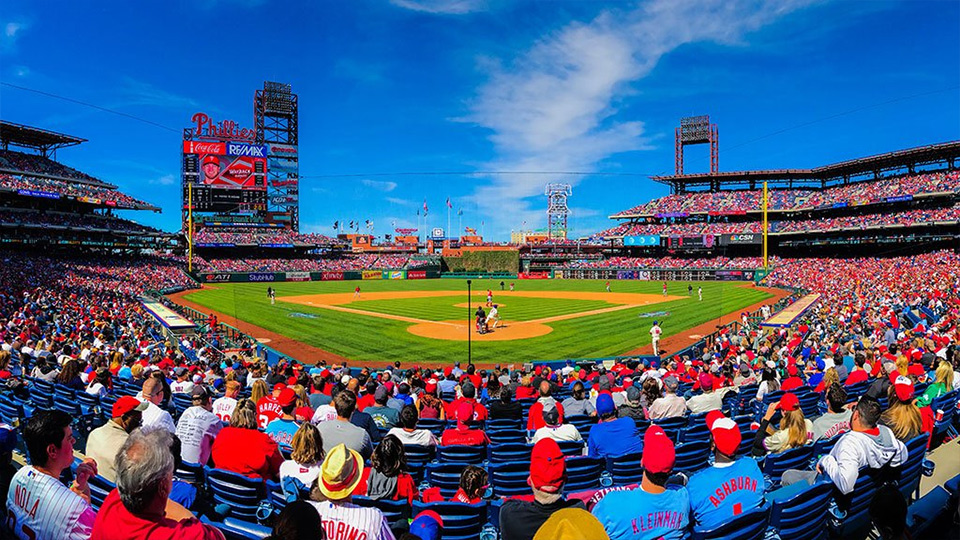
(105, 442)
(198, 427)
(520, 520)
(730, 486)
(243, 449)
(341, 431)
(340, 475)
(39, 506)
(650, 511)
(612, 436)
(140, 508)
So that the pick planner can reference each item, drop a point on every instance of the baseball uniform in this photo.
(638, 515)
(722, 492)
(39, 507)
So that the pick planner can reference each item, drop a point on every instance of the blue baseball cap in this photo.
(428, 525)
(315, 371)
(605, 404)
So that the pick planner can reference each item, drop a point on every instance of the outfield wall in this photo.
(338, 275)
(700, 274)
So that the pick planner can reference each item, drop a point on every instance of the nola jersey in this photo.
(720, 493)
(223, 408)
(348, 521)
(638, 515)
(268, 410)
(39, 507)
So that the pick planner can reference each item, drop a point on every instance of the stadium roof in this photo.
(31, 137)
(843, 172)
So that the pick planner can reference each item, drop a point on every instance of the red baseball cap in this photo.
(789, 402)
(127, 404)
(291, 381)
(915, 369)
(547, 468)
(465, 412)
(726, 433)
(287, 397)
(792, 370)
(706, 381)
(904, 388)
(431, 386)
(659, 455)
(279, 386)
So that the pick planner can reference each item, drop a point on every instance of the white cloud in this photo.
(165, 180)
(12, 31)
(379, 185)
(555, 106)
(401, 202)
(442, 7)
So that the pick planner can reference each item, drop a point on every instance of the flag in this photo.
(336, 224)
(448, 203)
(424, 207)
(460, 211)
(418, 212)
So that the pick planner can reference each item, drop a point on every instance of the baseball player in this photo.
(608, 286)
(655, 332)
(664, 289)
(489, 298)
(356, 292)
(272, 295)
(481, 320)
(494, 316)
(700, 292)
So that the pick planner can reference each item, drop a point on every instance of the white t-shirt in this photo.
(324, 413)
(564, 432)
(348, 521)
(223, 408)
(39, 507)
(196, 430)
(421, 437)
(306, 474)
(182, 387)
(155, 417)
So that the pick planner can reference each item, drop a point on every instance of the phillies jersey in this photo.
(347, 521)
(638, 515)
(268, 410)
(223, 408)
(718, 494)
(39, 507)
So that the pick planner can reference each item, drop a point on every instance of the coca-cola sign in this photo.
(202, 147)
(206, 128)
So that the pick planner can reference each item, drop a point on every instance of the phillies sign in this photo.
(225, 129)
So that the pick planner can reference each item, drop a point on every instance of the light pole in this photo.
(469, 332)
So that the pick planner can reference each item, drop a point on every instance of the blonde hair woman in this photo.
(306, 458)
(903, 416)
(259, 390)
(795, 430)
(943, 383)
(830, 377)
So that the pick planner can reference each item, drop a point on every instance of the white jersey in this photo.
(348, 521)
(39, 507)
(223, 408)
(655, 333)
(181, 387)
(324, 413)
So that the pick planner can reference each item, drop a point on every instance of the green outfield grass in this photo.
(367, 338)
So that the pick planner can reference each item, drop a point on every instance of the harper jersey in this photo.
(223, 408)
(268, 410)
(638, 515)
(39, 507)
(719, 493)
(348, 521)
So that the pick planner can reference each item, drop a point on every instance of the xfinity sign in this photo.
(247, 150)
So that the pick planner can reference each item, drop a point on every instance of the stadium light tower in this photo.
(696, 130)
(557, 209)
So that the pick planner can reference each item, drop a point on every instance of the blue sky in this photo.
(408, 86)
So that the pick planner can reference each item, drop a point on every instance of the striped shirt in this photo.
(347, 521)
(39, 507)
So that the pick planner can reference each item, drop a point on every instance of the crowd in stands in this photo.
(37, 164)
(253, 237)
(76, 221)
(798, 199)
(365, 261)
(69, 189)
(672, 263)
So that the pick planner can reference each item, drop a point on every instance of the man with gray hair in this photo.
(670, 405)
(140, 508)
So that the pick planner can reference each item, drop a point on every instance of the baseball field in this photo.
(428, 320)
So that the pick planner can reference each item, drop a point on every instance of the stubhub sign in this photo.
(646, 240)
(246, 150)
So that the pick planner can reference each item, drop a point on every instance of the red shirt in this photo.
(406, 487)
(246, 451)
(857, 376)
(791, 383)
(364, 402)
(268, 410)
(479, 411)
(115, 522)
(469, 437)
(524, 392)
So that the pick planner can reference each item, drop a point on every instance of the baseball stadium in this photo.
(754, 354)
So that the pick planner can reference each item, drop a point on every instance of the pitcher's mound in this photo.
(457, 331)
(475, 305)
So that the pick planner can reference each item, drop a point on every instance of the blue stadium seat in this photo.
(571, 448)
(750, 525)
(11, 412)
(506, 436)
(459, 453)
(946, 403)
(799, 511)
(276, 495)
(181, 402)
(100, 487)
(696, 432)
(774, 465)
(417, 458)
(509, 478)
(911, 470)
(460, 521)
(396, 512)
(503, 424)
(499, 453)
(672, 427)
(583, 473)
(852, 513)
(434, 425)
(583, 423)
(234, 495)
(810, 405)
(927, 510)
(445, 476)
(823, 447)
(191, 473)
(626, 469)
(106, 406)
(692, 456)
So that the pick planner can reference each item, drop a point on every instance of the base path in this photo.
(677, 342)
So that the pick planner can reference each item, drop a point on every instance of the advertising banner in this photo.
(900, 198)
(730, 275)
(276, 245)
(741, 239)
(262, 276)
(298, 276)
(626, 274)
(214, 244)
(221, 277)
(647, 240)
(35, 193)
(533, 275)
(331, 276)
(372, 274)
(643, 275)
(89, 200)
(283, 150)
(246, 150)
(416, 274)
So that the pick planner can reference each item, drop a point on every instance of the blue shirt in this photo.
(614, 438)
(717, 494)
(638, 515)
(282, 431)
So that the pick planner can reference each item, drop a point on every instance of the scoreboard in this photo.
(226, 200)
